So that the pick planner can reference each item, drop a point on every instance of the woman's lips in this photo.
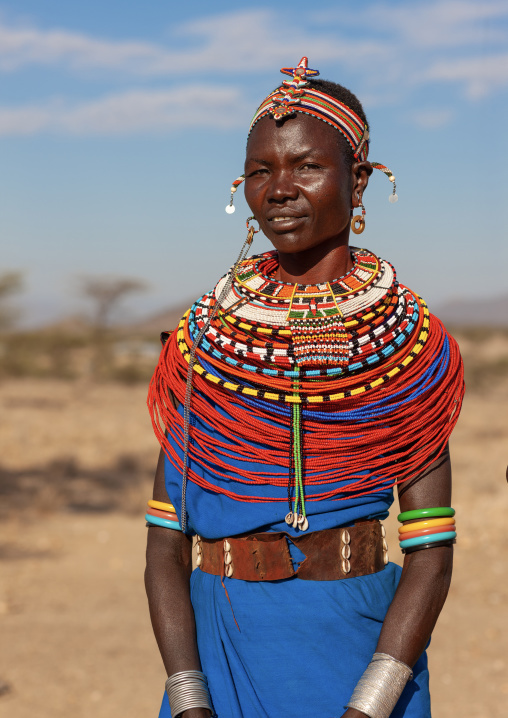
(284, 223)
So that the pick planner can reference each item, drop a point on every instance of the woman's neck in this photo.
(314, 266)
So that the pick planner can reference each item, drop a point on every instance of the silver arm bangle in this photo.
(187, 689)
(381, 686)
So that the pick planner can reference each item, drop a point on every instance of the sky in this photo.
(123, 124)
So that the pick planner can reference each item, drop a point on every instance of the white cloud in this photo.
(244, 41)
(404, 47)
(480, 75)
(461, 42)
(20, 47)
(132, 112)
(443, 23)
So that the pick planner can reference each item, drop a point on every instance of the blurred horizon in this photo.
(122, 126)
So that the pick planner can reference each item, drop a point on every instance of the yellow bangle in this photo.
(416, 526)
(162, 506)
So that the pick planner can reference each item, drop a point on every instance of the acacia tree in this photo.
(106, 295)
(10, 283)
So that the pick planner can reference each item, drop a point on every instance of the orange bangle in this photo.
(426, 532)
(161, 505)
(162, 514)
(429, 523)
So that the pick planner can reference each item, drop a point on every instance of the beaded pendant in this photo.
(317, 330)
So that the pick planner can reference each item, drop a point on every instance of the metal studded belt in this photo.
(329, 555)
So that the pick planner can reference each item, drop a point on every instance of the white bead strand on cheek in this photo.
(187, 689)
(381, 686)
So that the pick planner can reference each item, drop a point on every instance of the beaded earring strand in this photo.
(238, 181)
(192, 360)
(394, 197)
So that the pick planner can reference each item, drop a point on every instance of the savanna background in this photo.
(121, 128)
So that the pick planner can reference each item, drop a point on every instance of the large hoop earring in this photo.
(358, 221)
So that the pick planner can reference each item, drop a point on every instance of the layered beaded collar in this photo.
(255, 295)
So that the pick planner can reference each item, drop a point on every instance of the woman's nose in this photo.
(282, 187)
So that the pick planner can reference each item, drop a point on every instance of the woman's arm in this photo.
(425, 579)
(167, 574)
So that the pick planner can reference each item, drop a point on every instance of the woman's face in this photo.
(297, 183)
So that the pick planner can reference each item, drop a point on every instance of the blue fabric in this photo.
(301, 648)
(302, 645)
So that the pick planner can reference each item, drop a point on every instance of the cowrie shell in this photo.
(227, 558)
(295, 521)
(346, 551)
(229, 570)
(346, 537)
(289, 518)
(346, 566)
(227, 545)
(383, 531)
(385, 545)
(304, 525)
(199, 550)
(385, 557)
(199, 560)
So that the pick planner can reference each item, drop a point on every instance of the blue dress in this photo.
(300, 646)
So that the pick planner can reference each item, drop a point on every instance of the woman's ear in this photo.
(361, 172)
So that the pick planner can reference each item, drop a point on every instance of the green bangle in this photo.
(426, 514)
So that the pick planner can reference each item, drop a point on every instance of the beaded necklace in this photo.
(287, 373)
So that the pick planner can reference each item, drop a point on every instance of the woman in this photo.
(310, 377)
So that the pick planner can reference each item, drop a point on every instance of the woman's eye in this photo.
(261, 170)
(310, 165)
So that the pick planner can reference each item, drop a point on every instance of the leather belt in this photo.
(329, 555)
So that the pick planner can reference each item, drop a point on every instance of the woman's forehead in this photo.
(297, 135)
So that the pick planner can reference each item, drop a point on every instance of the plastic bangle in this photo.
(445, 536)
(426, 513)
(163, 514)
(426, 525)
(427, 532)
(161, 506)
(156, 521)
(435, 544)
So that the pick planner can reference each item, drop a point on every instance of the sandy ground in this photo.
(75, 634)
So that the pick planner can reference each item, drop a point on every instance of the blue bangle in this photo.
(430, 538)
(166, 523)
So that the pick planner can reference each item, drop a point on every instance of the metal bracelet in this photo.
(381, 686)
(187, 689)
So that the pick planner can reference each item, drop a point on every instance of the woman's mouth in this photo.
(285, 222)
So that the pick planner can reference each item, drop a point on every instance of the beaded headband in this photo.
(296, 95)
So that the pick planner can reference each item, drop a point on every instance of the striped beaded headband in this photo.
(296, 95)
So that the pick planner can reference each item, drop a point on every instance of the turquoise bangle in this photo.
(166, 523)
(441, 512)
(430, 538)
